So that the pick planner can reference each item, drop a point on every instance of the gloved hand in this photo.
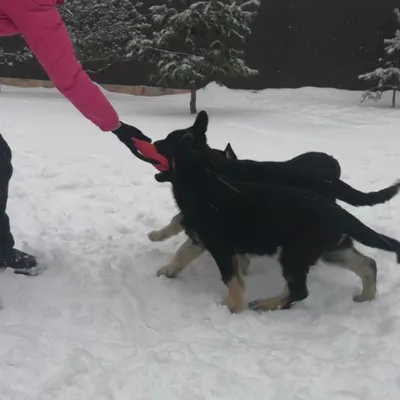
(140, 145)
(127, 135)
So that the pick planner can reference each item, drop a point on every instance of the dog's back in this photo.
(252, 217)
(301, 177)
(258, 217)
(314, 171)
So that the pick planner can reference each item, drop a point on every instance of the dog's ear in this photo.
(229, 153)
(200, 124)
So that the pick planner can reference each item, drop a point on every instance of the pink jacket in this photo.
(40, 23)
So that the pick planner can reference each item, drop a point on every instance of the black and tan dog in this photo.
(315, 171)
(314, 162)
(191, 249)
(230, 215)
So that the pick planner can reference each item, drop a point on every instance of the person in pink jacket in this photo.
(41, 25)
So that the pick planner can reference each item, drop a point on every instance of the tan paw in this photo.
(234, 306)
(157, 236)
(359, 298)
(235, 299)
(169, 271)
(274, 303)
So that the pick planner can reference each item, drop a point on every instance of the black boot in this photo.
(20, 262)
(9, 257)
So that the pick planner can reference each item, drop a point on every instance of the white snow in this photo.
(98, 324)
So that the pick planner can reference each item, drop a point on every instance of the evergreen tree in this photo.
(100, 30)
(12, 57)
(388, 76)
(193, 42)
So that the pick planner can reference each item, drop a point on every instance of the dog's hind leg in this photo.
(189, 251)
(295, 270)
(347, 257)
(172, 229)
(244, 263)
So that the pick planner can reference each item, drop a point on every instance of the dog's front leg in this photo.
(231, 275)
(244, 263)
(172, 229)
(182, 258)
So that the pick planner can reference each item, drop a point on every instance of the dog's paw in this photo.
(274, 303)
(359, 298)
(234, 306)
(157, 236)
(169, 271)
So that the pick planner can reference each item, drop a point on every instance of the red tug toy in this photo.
(150, 153)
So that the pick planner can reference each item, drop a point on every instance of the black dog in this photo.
(231, 216)
(314, 162)
(318, 172)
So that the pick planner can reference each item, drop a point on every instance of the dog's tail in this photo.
(368, 237)
(348, 194)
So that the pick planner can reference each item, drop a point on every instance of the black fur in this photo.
(318, 172)
(232, 216)
(315, 162)
(165, 176)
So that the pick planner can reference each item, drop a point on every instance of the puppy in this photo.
(232, 216)
(190, 249)
(313, 171)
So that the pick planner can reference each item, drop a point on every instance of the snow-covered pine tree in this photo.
(101, 30)
(15, 56)
(193, 42)
(387, 76)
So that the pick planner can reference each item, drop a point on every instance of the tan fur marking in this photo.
(235, 301)
(364, 267)
(172, 229)
(243, 261)
(182, 258)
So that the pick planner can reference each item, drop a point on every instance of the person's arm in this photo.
(43, 29)
(45, 33)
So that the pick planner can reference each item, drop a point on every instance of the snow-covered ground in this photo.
(98, 324)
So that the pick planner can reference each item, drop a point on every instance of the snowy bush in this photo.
(388, 76)
(193, 42)
(101, 30)
(11, 57)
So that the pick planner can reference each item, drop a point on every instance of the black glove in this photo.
(126, 134)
